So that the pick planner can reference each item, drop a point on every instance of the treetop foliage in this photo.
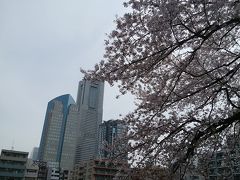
(180, 58)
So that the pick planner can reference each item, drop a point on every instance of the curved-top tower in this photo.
(59, 133)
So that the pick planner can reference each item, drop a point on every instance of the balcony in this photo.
(10, 158)
(11, 166)
(11, 174)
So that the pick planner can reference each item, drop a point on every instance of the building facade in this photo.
(13, 164)
(31, 171)
(34, 154)
(90, 104)
(59, 133)
(100, 170)
(70, 138)
(225, 165)
(111, 142)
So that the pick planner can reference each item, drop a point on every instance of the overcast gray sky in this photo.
(43, 44)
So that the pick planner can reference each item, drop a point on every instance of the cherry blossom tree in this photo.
(181, 60)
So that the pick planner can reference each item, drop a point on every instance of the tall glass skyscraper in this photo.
(59, 135)
(90, 104)
(110, 142)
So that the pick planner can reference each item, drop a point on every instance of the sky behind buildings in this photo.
(43, 44)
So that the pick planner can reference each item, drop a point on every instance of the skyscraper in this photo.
(34, 153)
(59, 133)
(110, 143)
(90, 104)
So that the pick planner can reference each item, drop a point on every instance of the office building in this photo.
(59, 135)
(90, 104)
(13, 164)
(111, 141)
(225, 164)
(70, 138)
(34, 154)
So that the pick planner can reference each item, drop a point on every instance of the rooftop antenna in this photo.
(12, 148)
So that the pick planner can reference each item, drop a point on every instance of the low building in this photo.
(193, 176)
(13, 164)
(65, 174)
(147, 173)
(99, 170)
(53, 171)
(31, 171)
(42, 169)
